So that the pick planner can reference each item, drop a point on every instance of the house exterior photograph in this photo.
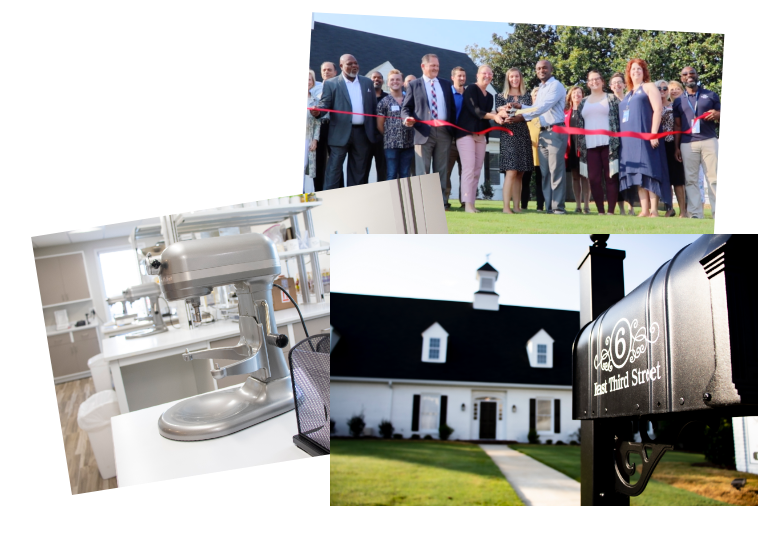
(489, 371)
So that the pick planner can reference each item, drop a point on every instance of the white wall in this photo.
(76, 311)
(375, 400)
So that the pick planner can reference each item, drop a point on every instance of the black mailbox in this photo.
(684, 340)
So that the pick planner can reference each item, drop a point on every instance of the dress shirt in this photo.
(357, 100)
(549, 105)
(458, 100)
(440, 98)
(316, 90)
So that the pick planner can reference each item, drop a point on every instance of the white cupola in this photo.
(487, 298)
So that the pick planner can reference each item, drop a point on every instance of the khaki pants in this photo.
(694, 154)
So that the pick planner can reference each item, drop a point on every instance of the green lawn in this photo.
(567, 460)
(491, 220)
(397, 472)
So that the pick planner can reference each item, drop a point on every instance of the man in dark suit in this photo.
(350, 134)
(431, 98)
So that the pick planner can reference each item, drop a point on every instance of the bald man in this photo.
(350, 134)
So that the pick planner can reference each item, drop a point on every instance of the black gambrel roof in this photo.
(329, 43)
(381, 337)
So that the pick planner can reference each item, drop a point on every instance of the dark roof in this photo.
(488, 268)
(381, 337)
(329, 43)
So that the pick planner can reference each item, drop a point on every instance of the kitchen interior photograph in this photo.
(130, 311)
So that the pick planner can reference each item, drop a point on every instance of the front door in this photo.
(487, 419)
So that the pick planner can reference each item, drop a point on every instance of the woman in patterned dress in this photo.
(516, 151)
(675, 169)
(312, 136)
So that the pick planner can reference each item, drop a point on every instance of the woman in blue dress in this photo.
(642, 163)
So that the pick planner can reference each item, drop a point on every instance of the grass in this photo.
(491, 220)
(394, 472)
(675, 482)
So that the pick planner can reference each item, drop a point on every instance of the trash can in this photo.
(101, 373)
(95, 419)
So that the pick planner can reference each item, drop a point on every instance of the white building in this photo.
(489, 371)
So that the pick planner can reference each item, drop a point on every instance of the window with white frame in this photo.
(120, 270)
(541, 354)
(430, 407)
(543, 415)
(435, 348)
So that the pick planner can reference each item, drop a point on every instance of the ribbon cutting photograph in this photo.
(536, 132)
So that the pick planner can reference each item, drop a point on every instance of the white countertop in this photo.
(120, 347)
(51, 330)
(112, 328)
(143, 455)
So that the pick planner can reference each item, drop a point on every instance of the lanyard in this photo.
(628, 103)
(696, 104)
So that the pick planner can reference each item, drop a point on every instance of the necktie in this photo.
(433, 105)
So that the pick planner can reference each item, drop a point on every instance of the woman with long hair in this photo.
(643, 163)
(600, 154)
(581, 187)
(675, 90)
(516, 153)
(477, 105)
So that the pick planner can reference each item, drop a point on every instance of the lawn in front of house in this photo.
(675, 482)
(491, 220)
(379, 472)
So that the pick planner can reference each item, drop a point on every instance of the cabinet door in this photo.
(74, 277)
(84, 351)
(231, 380)
(63, 359)
(50, 281)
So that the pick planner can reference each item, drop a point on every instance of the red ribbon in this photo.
(431, 123)
(633, 134)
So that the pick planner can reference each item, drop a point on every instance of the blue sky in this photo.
(534, 270)
(447, 34)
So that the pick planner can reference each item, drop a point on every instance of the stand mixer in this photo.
(189, 270)
(152, 291)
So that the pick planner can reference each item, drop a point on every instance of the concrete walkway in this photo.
(535, 483)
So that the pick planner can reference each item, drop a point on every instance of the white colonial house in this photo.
(487, 370)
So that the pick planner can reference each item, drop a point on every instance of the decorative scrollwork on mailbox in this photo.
(620, 344)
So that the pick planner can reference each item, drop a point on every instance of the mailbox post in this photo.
(682, 346)
(602, 285)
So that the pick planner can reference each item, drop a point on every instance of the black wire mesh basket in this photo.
(310, 371)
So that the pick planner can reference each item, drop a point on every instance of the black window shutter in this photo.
(556, 416)
(416, 413)
(444, 405)
(532, 414)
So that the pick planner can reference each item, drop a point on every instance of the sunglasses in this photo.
(663, 89)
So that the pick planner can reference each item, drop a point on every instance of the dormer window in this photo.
(540, 350)
(434, 341)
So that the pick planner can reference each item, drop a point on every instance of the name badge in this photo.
(395, 108)
(625, 115)
(695, 127)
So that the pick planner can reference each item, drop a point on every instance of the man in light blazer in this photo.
(350, 134)
(430, 98)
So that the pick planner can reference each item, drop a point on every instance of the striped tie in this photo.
(433, 105)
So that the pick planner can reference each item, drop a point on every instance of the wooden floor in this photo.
(83, 470)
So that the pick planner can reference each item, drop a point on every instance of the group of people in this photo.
(393, 129)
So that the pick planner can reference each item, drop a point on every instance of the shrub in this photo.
(445, 431)
(428, 437)
(332, 426)
(574, 443)
(548, 441)
(386, 429)
(533, 436)
(398, 436)
(559, 443)
(577, 436)
(356, 425)
(719, 443)
(414, 436)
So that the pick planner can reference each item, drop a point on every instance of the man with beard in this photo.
(377, 151)
(700, 147)
(349, 134)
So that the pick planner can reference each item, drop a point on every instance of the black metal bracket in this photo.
(651, 452)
